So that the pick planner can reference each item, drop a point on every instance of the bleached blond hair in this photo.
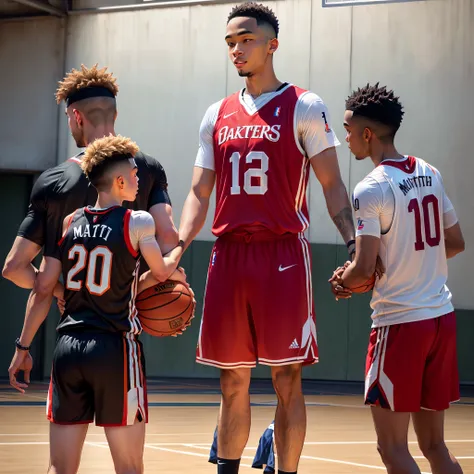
(103, 148)
(86, 77)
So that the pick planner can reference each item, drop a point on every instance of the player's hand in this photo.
(180, 275)
(22, 360)
(58, 293)
(181, 331)
(336, 283)
(379, 267)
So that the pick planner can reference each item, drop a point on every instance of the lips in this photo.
(239, 63)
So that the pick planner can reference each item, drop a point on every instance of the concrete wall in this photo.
(171, 66)
(31, 62)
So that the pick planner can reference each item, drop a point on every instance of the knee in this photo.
(130, 467)
(234, 383)
(432, 448)
(392, 454)
(62, 468)
(287, 381)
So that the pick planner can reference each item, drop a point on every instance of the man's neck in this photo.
(262, 83)
(106, 200)
(388, 152)
(99, 132)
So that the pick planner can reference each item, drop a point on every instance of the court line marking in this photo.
(176, 451)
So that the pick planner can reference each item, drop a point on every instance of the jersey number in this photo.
(80, 253)
(260, 173)
(430, 208)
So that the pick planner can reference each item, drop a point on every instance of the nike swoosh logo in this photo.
(282, 269)
(228, 115)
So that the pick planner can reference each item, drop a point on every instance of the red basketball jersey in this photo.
(262, 173)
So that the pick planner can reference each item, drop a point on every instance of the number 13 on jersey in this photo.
(252, 174)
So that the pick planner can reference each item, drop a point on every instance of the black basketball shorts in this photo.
(97, 375)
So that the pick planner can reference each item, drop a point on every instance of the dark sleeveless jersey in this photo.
(63, 189)
(100, 269)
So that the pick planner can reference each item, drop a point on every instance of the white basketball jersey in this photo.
(412, 250)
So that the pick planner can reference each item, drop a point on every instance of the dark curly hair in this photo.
(258, 11)
(378, 104)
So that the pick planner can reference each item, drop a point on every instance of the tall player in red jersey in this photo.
(258, 145)
(404, 217)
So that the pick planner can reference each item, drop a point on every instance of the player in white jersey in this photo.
(405, 218)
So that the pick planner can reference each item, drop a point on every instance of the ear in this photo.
(274, 45)
(367, 135)
(78, 117)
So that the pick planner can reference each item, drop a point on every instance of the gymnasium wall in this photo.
(31, 62)
(171, 65)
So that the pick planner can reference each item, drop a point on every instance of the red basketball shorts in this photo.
(413, 366)
(258, 304)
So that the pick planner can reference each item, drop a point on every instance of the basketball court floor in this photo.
(183, 414)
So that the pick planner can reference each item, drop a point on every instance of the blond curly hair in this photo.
(86, 77)
(101, 149)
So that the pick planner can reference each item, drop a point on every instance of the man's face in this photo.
(250, 46)
(357, 135)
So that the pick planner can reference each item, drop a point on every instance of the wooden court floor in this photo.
(340, 438)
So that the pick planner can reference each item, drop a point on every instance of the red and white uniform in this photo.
(258, 303)
(411, 362)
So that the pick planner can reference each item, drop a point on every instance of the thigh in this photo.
(441, 378)
(226, 338)
(116, 371)
(391, 427)
(281, 302)
(395, 365)
(70, 397)
(429, 427)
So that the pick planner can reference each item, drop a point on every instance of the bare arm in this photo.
(453, 240)
(40, 299)
(196, 204)
(326, 168)
(166, 232)
(18, 267)
(363, 266)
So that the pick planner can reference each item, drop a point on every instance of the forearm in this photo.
(452, 251)
(340, 210)
(193, 217)
(354, 276)
(36, 311)
(168, 240)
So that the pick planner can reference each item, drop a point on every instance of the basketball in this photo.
(365, 287)
(165, 308)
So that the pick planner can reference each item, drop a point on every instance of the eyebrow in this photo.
(240, 33)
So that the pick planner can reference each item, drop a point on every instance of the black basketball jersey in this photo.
(100, 272)
(65, 188)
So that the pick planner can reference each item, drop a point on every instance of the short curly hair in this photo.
(378, 104)
(103, 153)
(258, 11)
(86, 77)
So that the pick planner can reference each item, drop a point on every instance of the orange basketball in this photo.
(165, 308)
(365, 287)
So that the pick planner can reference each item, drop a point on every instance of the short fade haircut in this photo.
(260, 12)
(378, 104)
(103, 154)
(86, 77)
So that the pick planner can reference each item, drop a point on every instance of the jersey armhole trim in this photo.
(295, 126)
(126, 233)
(67, 228)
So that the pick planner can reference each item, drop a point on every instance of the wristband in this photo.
(351, 242)
(20, 347)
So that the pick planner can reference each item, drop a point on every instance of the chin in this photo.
(244, 73)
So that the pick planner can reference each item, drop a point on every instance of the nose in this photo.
(236, 52)
(347, 137)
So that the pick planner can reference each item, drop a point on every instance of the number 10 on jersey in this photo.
(256, 173)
